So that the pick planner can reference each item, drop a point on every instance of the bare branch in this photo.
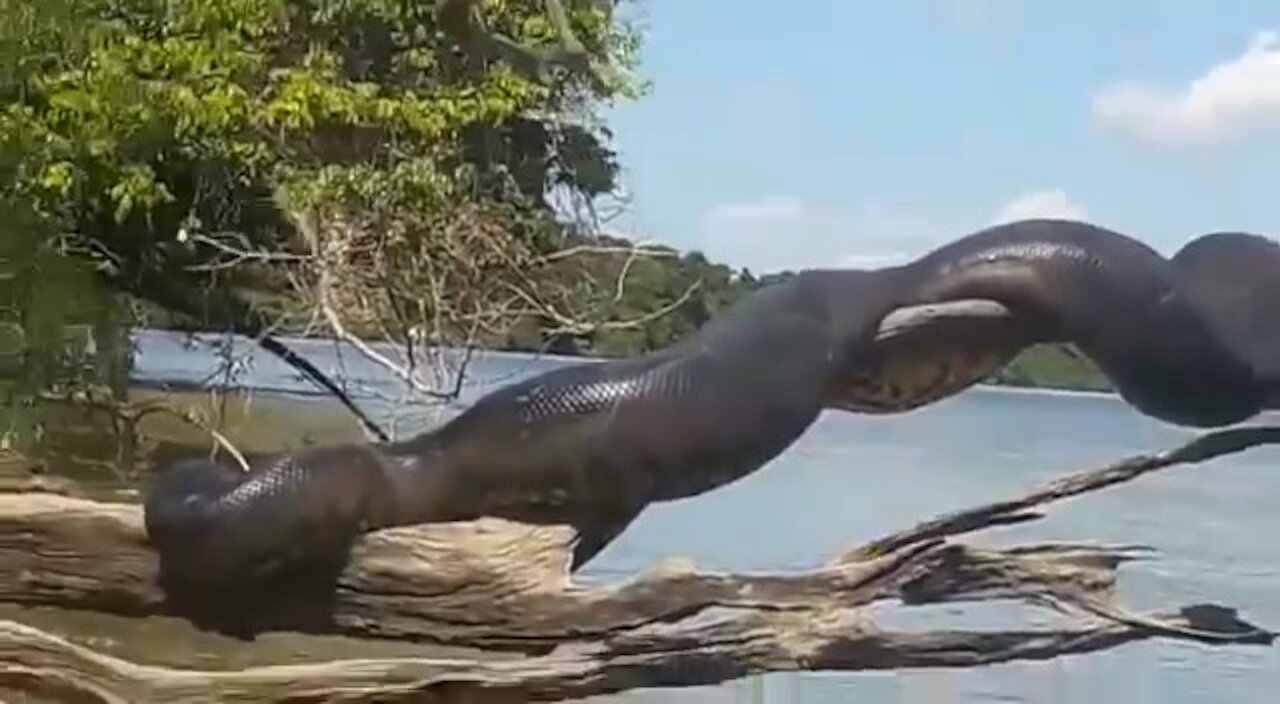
(636, 250)
(570, 325)
(436, 286)
(405, 374)
(235, 256)
(1201, 449)
(620, 285)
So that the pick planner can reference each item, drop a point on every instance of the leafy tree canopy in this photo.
(161, 137)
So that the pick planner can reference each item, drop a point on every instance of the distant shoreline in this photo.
(1049, 390)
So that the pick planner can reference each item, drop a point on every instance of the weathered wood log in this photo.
(716, 649)
(499, 585)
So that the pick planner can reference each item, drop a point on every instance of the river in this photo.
(853, 477)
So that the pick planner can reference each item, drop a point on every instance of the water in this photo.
(851, 478)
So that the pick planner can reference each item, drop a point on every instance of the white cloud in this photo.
(786, 232)
(776, 209)
(1052, 203)
(776, 233)
(1230, 101)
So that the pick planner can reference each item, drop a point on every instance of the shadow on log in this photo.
(498, 585)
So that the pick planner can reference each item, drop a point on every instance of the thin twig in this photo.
(236, 256)
(637, 249)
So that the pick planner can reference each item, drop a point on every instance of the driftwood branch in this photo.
(503, 587)
(35, 660)
(1201, 449)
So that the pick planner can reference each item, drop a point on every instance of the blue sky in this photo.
(859, 133)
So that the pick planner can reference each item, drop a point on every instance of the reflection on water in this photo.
(854, 477)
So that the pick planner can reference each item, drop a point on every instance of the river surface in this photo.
(852, 478)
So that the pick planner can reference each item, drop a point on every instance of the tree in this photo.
(361, 167)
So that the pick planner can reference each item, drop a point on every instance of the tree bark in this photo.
(503, 586)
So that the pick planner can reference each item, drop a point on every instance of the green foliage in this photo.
(145, 143)
(142, 124)
(57, 328)
(1053, 367)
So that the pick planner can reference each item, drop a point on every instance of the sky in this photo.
(852, 133)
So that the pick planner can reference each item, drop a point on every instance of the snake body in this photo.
(1192, 340)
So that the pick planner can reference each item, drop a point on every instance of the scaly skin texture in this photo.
(588, 445)
(1136, 314)
(591, 445)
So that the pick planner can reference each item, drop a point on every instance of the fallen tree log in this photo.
(498, 585)
(38, 663)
